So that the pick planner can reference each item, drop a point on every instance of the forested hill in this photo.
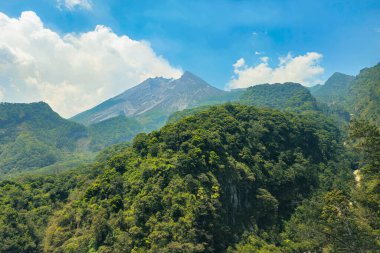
(287, 96)
(34, 136)
(335, 90)
(358, 95)
(197, 185)
(364, 95)
(290, 97)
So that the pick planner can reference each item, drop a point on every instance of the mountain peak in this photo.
(188, 75)
(339, 80)
(156, 97)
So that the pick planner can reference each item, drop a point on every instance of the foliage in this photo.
(335, 90)
(346, 219)
(33, 136)
(115, 130)
(364, 95)
(287, 96)
(27, 204)
(196, 185)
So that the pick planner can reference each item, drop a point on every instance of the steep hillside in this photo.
(358, 95)
(34, 136)
(363, 98)
(287, 96)
(196, 185)
(152, 101)
(335, 90)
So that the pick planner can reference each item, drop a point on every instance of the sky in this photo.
(74, 54)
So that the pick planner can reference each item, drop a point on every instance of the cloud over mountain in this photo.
(71, 72)
(304, 69)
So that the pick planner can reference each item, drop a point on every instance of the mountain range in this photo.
(265, 169)
(34, 130)
(152, 101)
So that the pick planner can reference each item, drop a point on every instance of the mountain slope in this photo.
(196, 185)
(152, 101)
(358, 95)
(34, 136)
(112, 131)
(286, 96)
(363, 99)
(335, 89)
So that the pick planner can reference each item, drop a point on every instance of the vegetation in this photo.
(364, 95)
(335, 90)
(360, 96)
(227, 178)
(198, 184)
(33, 136)
(115, 130)
(288, 97)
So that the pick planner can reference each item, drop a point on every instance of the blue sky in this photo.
(208, 37)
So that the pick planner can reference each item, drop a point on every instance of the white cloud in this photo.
(264, 59)
(72, 4)
(304, 69)
(239, 63)
(73, 72)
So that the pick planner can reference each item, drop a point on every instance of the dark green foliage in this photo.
(340, 218)
(26, 206)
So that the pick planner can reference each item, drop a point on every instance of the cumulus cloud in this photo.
(304, 69)
(73, 72)
(72, 4)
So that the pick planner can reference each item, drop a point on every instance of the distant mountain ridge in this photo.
(359, 95)
(34, 136)
(153, 100)
(335, 89)
(363, 98)
(284, 96)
